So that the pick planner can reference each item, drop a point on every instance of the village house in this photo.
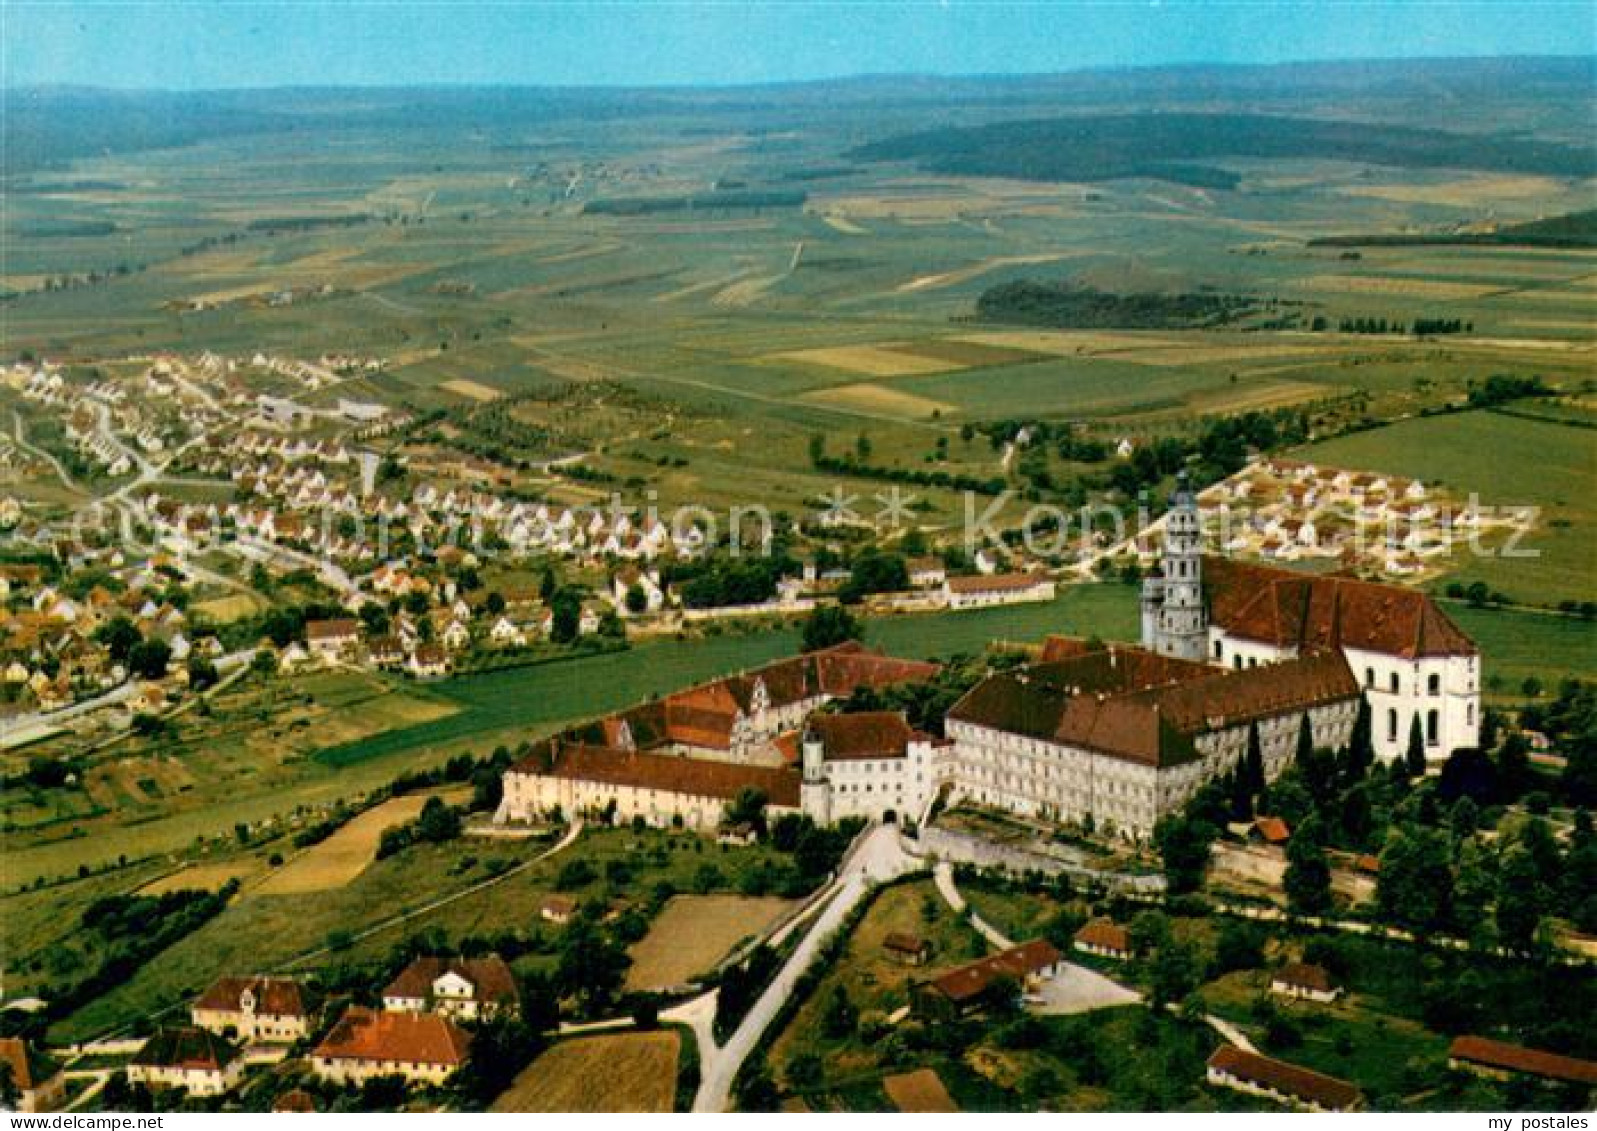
(1104, 939)
(1243, 1071)
(367, 1043)
(908, 949)
(646, 582)
(557, 909)
(269, 1010)
(926, 573)
(467, 989)
(332, 639)
(970, 988)
(979, 591)
(194, 1059)
(1498, 1060)
(428, 661)
(39, 1080)
(1305, 982)
(1271, 831)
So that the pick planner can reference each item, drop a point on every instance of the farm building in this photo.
(1243, 1071)
(39, 1080)
(270, 1010)
(1123, 736)
(1500, 1061)
(463, 988)
(557, 909)
(1105, 939)
(969, 988)
(195, 1059)
(367, 1043)
(331, 639)
(911, 950)
(979, 592)
(1305, 981)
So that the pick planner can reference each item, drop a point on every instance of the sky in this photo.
(212, 44)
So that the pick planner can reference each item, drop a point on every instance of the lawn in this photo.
(628, 1072)
(693, 933)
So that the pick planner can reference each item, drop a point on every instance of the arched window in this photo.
(1369, 677)
(1391, 726)
(1433, 684)
(1394, 683)
(1219, 650)
(1237, 662)
(1469, 714)
(1433, 727)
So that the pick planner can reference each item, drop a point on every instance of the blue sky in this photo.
(221, 43)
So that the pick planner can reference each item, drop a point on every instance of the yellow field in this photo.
(1070, 343)
(628, 1072)
(226, 609)
(1255, 396)
(884, 360)
(866, 397)
(1200, 355)
(347, 853)
(975, 270)
(200, 877)
(1468, 192)
(471, 390)
(693, 933)
(844, 224)
(1380, 285)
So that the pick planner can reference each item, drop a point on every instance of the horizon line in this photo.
(820, 80)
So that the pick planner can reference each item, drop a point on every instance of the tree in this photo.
(438, 822)
(839, 1017)
(565, 610)
(637, 601)
(1174, 974)
(829, 625)
(1305, 748)
(118, 636)
(1521, 899)
(10, 1094)
(1183, 845)
(1414, 758)
(591, 966)
(1415, 886)
(748, 807)
(1239, 946)
(148, 658)
(1308, 876)
(1250, 774)
(201, 672)
(1360, 753)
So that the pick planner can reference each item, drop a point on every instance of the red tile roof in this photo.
(416, 1038)
(1516, 1058)
(968, 982)
(1306, 976)
(996, 583)
(1142, 707)
(186, 1048)
(1273, 829)
(280, 997)
(1288, 1079)
(902, 942)
(1106, 935)
(1288, 608)
(672, 773)
(867, 734)
(331, 629)
(490, 978)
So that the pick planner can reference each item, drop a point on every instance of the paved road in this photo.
(877, 857)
